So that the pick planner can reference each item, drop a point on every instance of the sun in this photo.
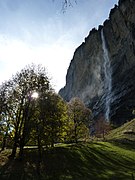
(34, 95)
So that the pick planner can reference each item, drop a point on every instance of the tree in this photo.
(42, 117)
(57, 118)
(25, 116)
(5, 119)
(79, 119)
(68, 3)
(31, 79)
(102, 127)
(51, 117)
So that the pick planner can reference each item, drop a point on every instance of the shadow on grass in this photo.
(14, 169)
(91, 161)
(125, 144)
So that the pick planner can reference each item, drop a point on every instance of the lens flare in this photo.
(34, 95)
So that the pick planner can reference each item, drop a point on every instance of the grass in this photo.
(125, 133)
(112, 160)
(83, 161)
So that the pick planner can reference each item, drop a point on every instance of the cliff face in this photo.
(84, 74)
(102, 71)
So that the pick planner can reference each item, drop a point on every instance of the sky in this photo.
(39, 32)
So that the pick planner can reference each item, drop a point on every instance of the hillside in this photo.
(84, 161)
(124, 133)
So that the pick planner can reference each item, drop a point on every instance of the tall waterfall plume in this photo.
(107, 76)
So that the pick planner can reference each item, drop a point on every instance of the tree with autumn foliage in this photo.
(102, 127)
(79, 118)
(30, 109)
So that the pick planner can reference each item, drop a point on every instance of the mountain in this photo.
(102, 71)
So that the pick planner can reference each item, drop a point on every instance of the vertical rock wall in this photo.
(86, 77)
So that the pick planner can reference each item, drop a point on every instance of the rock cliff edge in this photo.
(102, 71)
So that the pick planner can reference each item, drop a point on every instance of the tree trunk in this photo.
(103, 134)
(39, 154)
(39, 148)
(14, 146)
(16, 138)
(21, 152)
(52, 144)
(132, 176)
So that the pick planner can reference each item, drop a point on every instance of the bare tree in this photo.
(67, 3)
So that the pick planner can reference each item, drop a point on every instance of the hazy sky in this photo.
(38, 31)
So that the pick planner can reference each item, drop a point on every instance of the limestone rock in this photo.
(86, 77)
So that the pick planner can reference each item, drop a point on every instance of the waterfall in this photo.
(107, 76)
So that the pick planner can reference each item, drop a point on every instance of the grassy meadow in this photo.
(82, 161)
(113, 159)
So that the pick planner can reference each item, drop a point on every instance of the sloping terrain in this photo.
(85, 161)
(125, 133)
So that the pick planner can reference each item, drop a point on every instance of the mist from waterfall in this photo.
(108, 77)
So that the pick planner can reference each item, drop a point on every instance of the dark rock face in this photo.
(86, 76)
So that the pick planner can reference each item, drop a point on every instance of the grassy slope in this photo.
(125, 132)
(99, 160)
(96, 160)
